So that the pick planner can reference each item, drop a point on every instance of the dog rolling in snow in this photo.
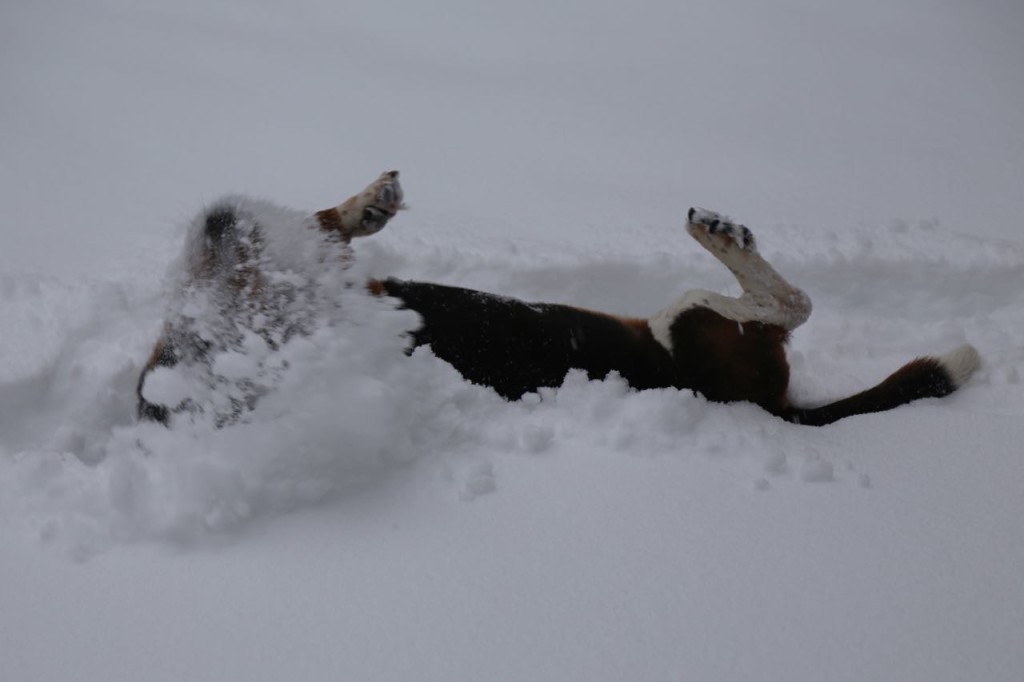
(253, 275)
(727, 349)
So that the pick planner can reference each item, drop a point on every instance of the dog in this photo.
(724, 348)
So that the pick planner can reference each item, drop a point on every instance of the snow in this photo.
(377, 518)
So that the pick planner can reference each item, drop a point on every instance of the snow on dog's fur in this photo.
(253, 275)
(256, 275)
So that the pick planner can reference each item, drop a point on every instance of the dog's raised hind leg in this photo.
(734, 245)
(767, 297)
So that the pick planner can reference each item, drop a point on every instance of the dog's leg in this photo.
(767, 297)
(365, 213)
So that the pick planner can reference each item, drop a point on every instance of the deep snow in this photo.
(381, 519)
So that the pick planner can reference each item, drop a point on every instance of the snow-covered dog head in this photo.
(253, 275)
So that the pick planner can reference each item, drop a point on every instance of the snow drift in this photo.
(344, 404)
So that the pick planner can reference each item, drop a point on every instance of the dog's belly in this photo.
(517, 347)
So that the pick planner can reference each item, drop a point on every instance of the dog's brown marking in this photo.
(730, 361)
(329, 220)
(376, 288)
(159, 356)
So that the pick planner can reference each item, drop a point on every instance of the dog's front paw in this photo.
(705, 225)
(377, 204)
(367, 212)
(388, 193)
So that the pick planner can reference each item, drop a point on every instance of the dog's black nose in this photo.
(689, 216)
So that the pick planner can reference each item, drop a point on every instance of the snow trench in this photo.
(345, 405)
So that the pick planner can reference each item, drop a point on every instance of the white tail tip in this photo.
(960, 363)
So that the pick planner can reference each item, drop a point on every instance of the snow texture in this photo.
(374, 517)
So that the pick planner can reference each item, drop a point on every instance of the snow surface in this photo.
(379, 518)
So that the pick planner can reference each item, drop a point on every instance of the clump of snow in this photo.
(537, 439)
(816, 469)
(776, 463)
(472, 478)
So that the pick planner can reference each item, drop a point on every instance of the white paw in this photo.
(708, 223)
(379, 202)
(369, 211)
(388, 195)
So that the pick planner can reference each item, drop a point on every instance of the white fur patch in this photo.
(767, 297)
(788, 314)
(165, 386)
(960, 363)
(703, 216)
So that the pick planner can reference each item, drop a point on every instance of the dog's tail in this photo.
(928, 377)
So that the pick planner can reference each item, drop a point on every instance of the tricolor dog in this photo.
(727, 349)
